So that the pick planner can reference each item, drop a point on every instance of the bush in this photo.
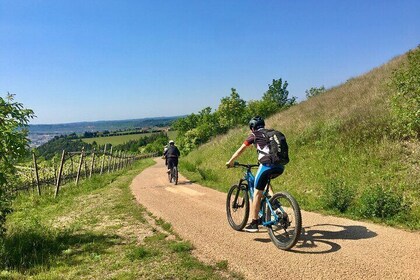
(13, 121)
(338, 195)
(378, 202)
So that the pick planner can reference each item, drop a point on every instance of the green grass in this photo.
(96, 231)
(341, 150)
(121, 139)
(115, 140)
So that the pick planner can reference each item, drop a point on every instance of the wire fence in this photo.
(72, 166)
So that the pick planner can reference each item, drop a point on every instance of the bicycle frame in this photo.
(250, 179)
(279, 212)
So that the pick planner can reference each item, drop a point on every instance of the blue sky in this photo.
(76, 60)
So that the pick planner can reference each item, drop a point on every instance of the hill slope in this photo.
(343, 158)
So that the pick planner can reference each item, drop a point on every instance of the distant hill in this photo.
(80, 127)
(42, 133)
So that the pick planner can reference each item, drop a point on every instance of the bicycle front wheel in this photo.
(237, 206)
(287, 220)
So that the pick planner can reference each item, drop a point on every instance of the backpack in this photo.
(278, 148)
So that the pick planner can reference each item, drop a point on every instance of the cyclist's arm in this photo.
(236, 155)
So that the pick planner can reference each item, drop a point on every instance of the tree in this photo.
(314, 91)
(13, 146)
(256, 108)
(182, 125)
(277, 97)
(231, 111)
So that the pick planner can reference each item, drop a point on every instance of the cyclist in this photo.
(266, 169)
(171, 155)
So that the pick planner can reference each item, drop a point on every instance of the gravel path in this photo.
(329, 248)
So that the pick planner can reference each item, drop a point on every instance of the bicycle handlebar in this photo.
(247, 166)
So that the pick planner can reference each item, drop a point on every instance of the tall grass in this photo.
(343, 135)
(96, 230)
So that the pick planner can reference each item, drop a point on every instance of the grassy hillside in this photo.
(96, 231)
(344, 159)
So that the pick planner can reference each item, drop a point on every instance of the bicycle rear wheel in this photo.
(237, 206)
(287, 226)
(175, 175)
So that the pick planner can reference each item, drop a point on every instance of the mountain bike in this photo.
(279, 213)
(173, 175)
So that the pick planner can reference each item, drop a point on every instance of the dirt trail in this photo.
(329, 248)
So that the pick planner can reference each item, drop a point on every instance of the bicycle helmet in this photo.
(171, 142)
(256, 123)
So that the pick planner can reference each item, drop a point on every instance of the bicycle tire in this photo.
(237, 213)
(286, 231)
(170, 176)
(175, 177)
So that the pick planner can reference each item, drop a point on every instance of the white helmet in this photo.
(171, 142)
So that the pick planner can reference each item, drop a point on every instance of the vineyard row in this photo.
(73, 166)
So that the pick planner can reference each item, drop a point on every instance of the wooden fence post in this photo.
(103, 160)
(59, 173)
(123, 159)
(119, 160)
(80, 166)
(93, 164)
(109, 160)
(85, 164)
(36, 174)
(114, 161)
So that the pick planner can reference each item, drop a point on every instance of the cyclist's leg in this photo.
(170, 164)
(256, 204)
(260, 182)
(261, 177)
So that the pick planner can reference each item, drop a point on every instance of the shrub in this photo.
(337, 195)
(314, 91)
(378, 202)
(13, 121)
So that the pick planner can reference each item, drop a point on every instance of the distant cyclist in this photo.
(171, 155)
(266, 170)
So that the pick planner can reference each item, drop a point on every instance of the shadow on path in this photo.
(316, 240)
